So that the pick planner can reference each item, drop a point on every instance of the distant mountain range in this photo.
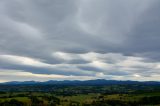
(77, 82)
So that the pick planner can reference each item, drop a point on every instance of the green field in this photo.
(51, 95)
(45, 99)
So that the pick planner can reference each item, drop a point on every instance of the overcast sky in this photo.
(79, 40)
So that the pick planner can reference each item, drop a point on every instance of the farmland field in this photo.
(71, 95)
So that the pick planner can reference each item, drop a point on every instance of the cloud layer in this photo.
(79, 39)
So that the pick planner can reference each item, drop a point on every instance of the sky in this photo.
(79, 40)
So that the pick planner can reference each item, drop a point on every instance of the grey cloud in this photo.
(90, 68)
(38, 29)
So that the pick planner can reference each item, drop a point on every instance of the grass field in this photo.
(75, 99)
(49, 95)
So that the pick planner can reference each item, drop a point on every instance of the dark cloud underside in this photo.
(79, 39)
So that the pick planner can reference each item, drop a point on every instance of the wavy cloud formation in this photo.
(79, 39)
